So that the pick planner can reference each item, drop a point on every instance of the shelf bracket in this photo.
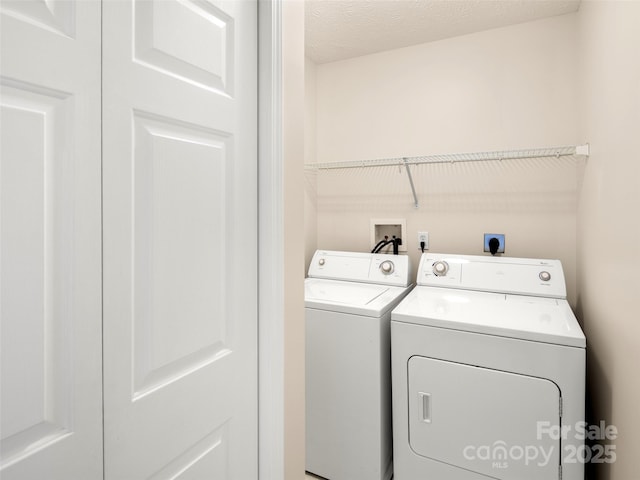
(413, 188)
(583, 150)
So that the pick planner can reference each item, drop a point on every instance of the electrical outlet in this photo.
(499, 237)
(423, 237)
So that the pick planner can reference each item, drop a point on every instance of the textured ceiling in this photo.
(340, 29)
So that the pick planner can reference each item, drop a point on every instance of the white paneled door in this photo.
(50, 273)
(128, 239)
(180, 234)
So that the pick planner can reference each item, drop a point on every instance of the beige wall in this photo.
(310, 181)
(507, 88)
(570, 79)
(293, 151)
(609, 223)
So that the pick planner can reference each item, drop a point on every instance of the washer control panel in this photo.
(361, 267)
(524, 276)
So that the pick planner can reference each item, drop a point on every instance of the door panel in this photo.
(179, 203)
(162, 43)
(483, 420)
(35, 372)
(50, 282)
(180, 235)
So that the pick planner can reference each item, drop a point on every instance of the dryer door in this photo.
(490, 422)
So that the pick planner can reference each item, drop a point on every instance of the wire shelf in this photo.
(548, 152)
(498, 155)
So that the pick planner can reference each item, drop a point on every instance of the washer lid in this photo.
(539, 319)
(351, 297)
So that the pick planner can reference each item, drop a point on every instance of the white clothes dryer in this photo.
(488, 367)
(349, 297)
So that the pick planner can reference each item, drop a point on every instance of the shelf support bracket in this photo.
(413, 188)
(583, 150)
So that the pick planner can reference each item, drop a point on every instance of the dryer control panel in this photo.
(361, 267)
(522, 276)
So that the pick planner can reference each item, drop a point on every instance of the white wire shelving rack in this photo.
(496, 155)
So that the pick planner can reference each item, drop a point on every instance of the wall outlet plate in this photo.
(489, 236)
(381, 227)
(423, 237)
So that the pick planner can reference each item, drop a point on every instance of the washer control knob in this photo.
(321, 262)
(440, 268)
(387, 267)
(545, 276)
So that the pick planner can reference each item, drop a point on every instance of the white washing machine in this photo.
(348, 298)
(488, 367)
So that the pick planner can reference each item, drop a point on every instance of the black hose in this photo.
(378, 245)
(383, 243)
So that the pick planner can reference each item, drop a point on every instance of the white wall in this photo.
(512, 87)
(609, 223)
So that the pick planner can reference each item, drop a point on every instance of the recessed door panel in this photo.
(482, 420)
(199, 460)
(179, 210)
(190, 40)
(36, 332)
(57, 16)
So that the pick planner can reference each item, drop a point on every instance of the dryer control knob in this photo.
(387, 267)
(545, 276)
(321, 262)
(440, 268)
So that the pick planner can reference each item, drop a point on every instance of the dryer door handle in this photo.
(425, 406)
